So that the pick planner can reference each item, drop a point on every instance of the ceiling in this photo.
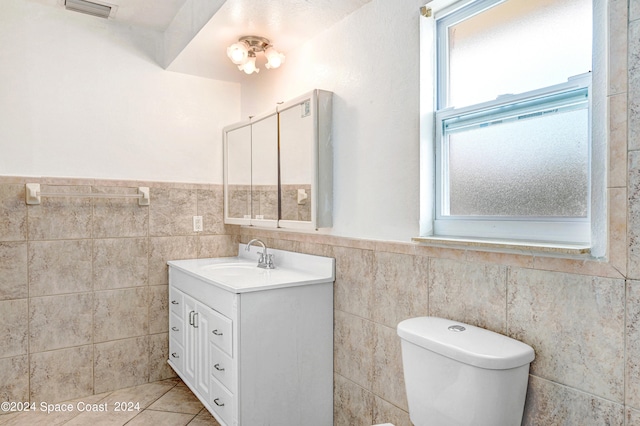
(287, 23)
(151, 14)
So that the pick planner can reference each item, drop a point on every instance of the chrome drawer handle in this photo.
(174, 355)
(175, 328)
(215, 401)
(175, 302)
(217, 333)
(217, 367)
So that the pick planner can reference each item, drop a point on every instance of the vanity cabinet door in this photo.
(190, 338)
(204, 326)
(196, 331)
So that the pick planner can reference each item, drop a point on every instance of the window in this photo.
(513, 121)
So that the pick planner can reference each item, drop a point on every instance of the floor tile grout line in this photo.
(176, 383)
(152, 402)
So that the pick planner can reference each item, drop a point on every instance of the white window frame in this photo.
(433, 224)
(530, 228)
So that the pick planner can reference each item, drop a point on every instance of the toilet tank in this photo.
(458, 374)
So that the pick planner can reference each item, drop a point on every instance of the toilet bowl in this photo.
(458, 375)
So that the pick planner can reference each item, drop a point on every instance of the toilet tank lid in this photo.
(473, 345)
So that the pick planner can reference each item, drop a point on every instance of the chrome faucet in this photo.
(265, 260)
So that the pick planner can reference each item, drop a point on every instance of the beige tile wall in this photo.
(584, 328)
(83, 283)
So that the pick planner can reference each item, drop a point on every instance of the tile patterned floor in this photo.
(164, 403)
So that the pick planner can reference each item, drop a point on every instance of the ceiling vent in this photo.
(90, 8)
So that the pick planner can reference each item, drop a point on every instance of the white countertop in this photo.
(240, 274)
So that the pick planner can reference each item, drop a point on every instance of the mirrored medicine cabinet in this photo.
(278, 166)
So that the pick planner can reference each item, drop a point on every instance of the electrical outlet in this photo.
(197, 223)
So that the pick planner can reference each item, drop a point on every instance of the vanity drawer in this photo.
(176, 354)
(222, 402)
(176, 302)
(222, 367)
(216, 298)
(176, 328)
(221, 332)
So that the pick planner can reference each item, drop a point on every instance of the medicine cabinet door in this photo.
(306, 161)
(297, 157)
(237, 174)
(264, 170)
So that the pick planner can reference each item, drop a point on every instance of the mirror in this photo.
(264, 170)
(306, 161)
(296, 158)
(237, 175)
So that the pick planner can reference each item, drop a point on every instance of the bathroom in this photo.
(83, 283)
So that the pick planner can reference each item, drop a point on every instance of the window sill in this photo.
(527, 246)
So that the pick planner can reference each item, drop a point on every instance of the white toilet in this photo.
(458, 374)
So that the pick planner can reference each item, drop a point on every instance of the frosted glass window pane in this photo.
(534, 167)
(518, 46)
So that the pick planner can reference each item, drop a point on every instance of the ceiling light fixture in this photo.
(243, 54)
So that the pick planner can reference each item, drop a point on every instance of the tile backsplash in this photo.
(83, 282)
(583, 326)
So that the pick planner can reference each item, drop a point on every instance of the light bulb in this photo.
(274, 58)
(238, 53)
(249, 66)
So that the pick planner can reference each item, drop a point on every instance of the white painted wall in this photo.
(84, 97)
(370, 60)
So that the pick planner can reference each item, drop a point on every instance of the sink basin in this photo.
(230, 266)
(233, 269)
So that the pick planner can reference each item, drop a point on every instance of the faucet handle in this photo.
(261, 258)
(269, 262)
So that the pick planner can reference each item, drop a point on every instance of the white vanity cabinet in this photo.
(260, 354)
